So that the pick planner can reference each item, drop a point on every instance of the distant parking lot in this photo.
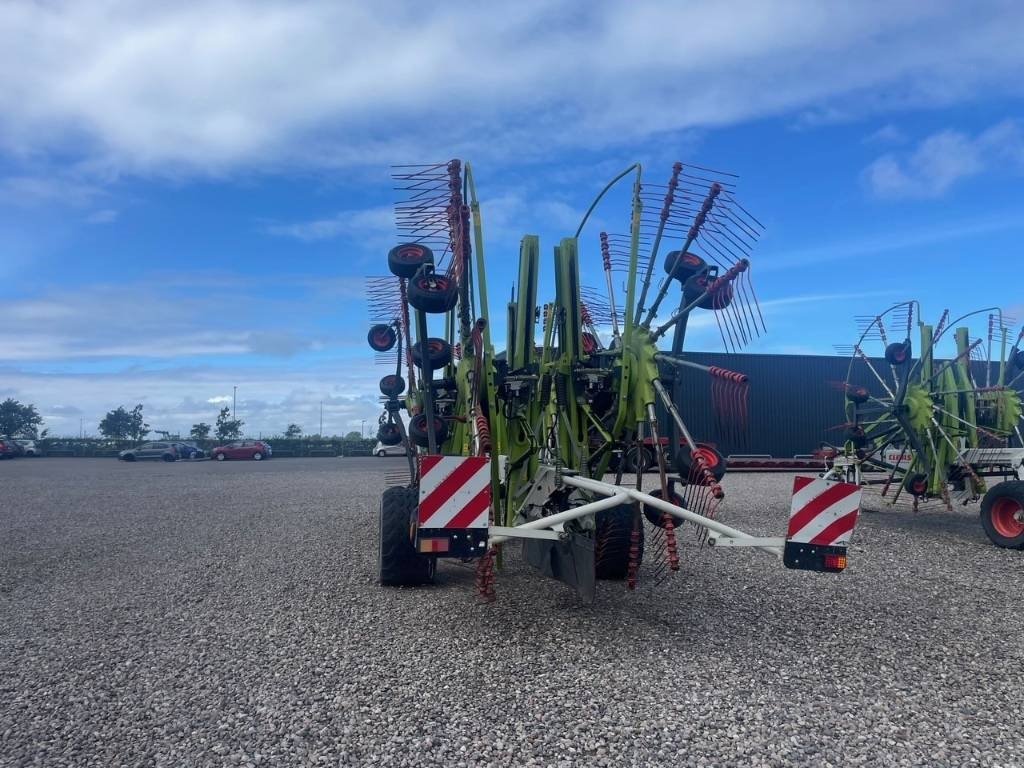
(205, 613)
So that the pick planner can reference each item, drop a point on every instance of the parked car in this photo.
(9, 448)
(189, 450)
(161, 451)
(243, 449)
(388, 450)
(29, 447)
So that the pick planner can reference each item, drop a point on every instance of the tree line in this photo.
(23, 421)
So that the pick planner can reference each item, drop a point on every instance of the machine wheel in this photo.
(656, 516)
(392, 385)
(689, 265)
(418, 430)
(382, 338)
(168, 457)
(439, 353)
(433, 294)
(611, 542)
(1002, 514)
(398, 562)
(897, 353)
(712, 458)
(637, 459)
(698, 283)
(405, 260)
(380, 454)
(389, 434)
(257, 456)
(917, 485)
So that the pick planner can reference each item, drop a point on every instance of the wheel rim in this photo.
(435, 284)
(257, 456)
(1008, 518)
(410, 253)
(709, 456)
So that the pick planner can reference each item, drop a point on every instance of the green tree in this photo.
(17, 420)
(200, 431)
(227, 427)
(353, 435)
(294, 432)
(121, 424)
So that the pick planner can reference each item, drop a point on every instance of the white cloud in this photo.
(210, 87)
(104, 216)
(945, 158)
(887, 134)
(374, 224)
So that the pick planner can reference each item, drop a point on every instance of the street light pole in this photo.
(234, 399)
(321, 419)
(362, 430)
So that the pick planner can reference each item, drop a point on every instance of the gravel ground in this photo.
(227, 614)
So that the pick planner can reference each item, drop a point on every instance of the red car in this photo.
(9, 449)
(243, 449)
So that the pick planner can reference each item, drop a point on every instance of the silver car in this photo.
(154, 451)
(389, 450)
(29, 447)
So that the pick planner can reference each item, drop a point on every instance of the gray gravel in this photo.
(227, 614)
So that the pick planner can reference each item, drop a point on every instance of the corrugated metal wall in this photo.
(792, 406)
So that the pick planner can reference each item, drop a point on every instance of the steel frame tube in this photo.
(683, 514)
(570, 514)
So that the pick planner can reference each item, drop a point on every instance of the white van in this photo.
(389, 450)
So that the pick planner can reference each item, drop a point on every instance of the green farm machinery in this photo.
(939, 426)
(545, 442)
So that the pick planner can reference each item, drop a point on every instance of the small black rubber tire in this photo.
(689, 265)
(898, 353)
(219, 456)
(433, 294)
(392, 385)
(168, 457)
(629, 459)
(389, 434)
(656, 516)
(418, 430)
(398, 562)
(857, 395)
(611, 542)
(1009, 492)
(381, 338)
(697, 284)
(916, 484)
(855, 435)
(406, 259)
(716, 463)
(439, 353)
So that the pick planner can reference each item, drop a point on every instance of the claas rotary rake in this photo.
(938, 426)
(531, 444)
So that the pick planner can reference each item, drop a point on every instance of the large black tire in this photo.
(439, 353)
(697, 284)
(1002, 514)
(631, 460)
(433, 294)
(657, 517)
(715, 462)
(389, 434)
(611, 542)
(405, 260)
(898, 353)
(418, 430)
(689, 264)
(381, 338)
(398, 562)
(392, 385)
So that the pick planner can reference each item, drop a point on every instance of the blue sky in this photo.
(190, 197)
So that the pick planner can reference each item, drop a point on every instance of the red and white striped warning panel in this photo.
(455, 492)
(823, 512)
